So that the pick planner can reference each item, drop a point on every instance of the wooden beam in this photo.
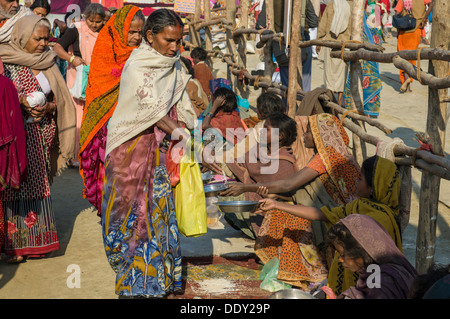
(364, 54)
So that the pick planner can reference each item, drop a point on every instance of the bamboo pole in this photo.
(294, 57)
(436, 126)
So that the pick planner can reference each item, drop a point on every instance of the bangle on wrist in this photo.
(72, 58)
(209, 114)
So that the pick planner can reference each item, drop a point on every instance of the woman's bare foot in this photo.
(15, 259)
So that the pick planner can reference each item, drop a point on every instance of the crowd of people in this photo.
(107, 92)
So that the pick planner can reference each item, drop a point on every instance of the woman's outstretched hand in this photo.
(235, 189)
(266, 204)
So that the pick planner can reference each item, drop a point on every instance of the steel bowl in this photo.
(207, 177)
(214, 189)
(291, 294)
(239, 206)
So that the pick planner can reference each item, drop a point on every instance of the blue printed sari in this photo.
(371, 77)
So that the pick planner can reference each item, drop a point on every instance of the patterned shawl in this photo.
(331, 142)
(109, 56)
(396, 273)
(150, 86)
(13, 53)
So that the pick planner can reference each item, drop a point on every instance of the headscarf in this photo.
(331, 141)
(383, 207)
(150, 86)
(13, 53)
(109, 56)
(396, 273)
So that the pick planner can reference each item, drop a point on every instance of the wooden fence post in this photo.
(242, 45)
(208, 35)
(356, 75)
(231, 46)
(294, 57)
(269, 66)
(436, 125)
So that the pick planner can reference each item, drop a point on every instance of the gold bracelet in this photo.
(72, 58)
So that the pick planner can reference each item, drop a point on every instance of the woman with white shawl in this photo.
(140, 231)
(335, 25)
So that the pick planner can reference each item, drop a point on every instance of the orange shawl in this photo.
(109, 56)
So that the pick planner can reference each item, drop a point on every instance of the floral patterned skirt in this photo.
(30, 228)
(140, 231)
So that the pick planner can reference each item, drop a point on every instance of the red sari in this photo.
(13, 159)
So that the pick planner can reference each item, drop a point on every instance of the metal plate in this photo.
(207, 177)
(291, 294)
(239, 206)
(214, 189)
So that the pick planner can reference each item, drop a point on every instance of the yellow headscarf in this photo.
(383, 207)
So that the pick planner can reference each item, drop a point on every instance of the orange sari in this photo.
(408, 40)
(109, 56)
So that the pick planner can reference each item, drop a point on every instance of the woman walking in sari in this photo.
(327, 179)
(361, 242)
(118, 38)
(140, 231)
(76, 46)
(50, 131)
(378, 188)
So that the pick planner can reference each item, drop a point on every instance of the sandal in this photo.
(15, 259)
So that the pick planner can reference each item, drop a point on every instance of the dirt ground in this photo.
(81, 254)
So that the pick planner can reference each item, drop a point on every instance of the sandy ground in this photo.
(82, 257)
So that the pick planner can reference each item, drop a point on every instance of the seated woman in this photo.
(224, 116)
(266, 104)
(378, 188)
(264, 163)
(327, 179)
(364, 246)
(50, 138)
